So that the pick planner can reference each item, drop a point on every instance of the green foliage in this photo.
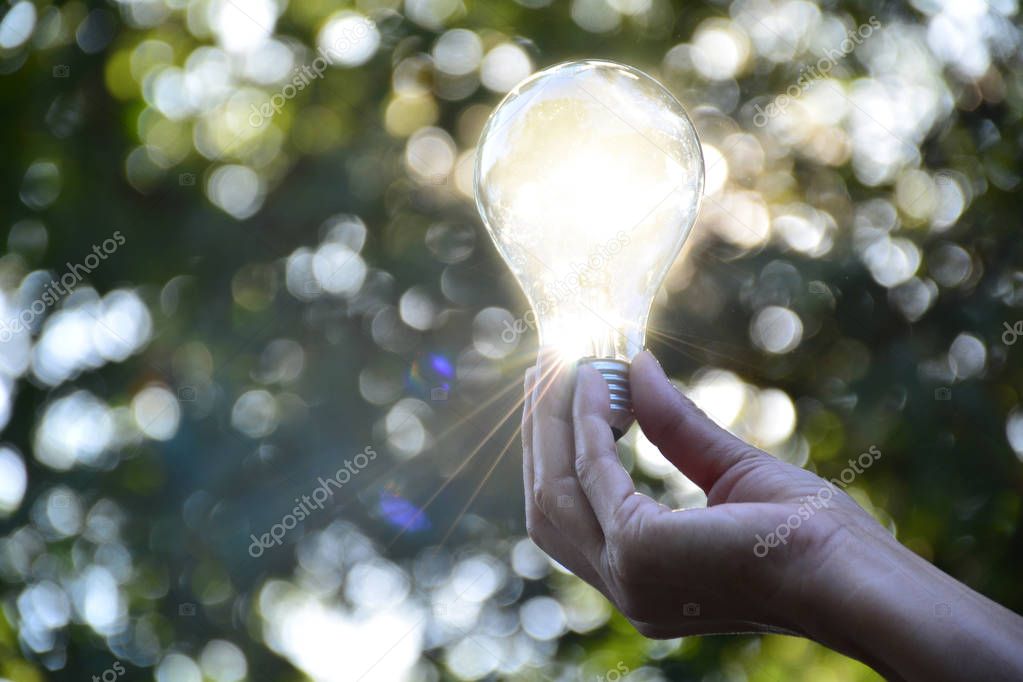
(306, 284)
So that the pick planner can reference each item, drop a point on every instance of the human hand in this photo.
(836, 576)
(651, 561)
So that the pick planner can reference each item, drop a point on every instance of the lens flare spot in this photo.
(400, 513)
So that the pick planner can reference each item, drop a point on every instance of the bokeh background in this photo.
(260, 294)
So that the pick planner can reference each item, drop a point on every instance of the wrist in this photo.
(845, 600)
(882, 604)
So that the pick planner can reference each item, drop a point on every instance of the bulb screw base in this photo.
(616, 374)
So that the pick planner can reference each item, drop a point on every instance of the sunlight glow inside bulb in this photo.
(588, 178)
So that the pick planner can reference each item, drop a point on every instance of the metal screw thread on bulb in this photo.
(616, 374)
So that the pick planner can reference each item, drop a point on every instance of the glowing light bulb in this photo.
(588, 179)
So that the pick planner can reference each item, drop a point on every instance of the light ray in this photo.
(500, 422)
(483, 482)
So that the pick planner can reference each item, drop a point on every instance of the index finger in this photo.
(690, 440)
(601, 475)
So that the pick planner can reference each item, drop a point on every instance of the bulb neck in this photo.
(616, 374)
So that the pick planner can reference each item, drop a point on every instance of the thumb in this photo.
(700, 449)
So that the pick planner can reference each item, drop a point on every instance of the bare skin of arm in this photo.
(839, 578)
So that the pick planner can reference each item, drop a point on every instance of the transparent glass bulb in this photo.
(588, 179)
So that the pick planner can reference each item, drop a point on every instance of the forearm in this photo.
(903, 616)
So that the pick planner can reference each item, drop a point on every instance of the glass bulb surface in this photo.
(588, 178)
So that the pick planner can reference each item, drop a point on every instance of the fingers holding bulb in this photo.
(544, 533)
(555, 490)
(607, 485)
(620, 542)
(690, 440)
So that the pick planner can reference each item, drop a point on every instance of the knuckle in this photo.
(542, 497)
(589, 448)
(585, 469)
(583, 450)
(738, 450)
(539, 497)
(626, 562)
(628, 557)
(626, 521)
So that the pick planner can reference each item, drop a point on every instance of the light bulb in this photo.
(588, 179)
